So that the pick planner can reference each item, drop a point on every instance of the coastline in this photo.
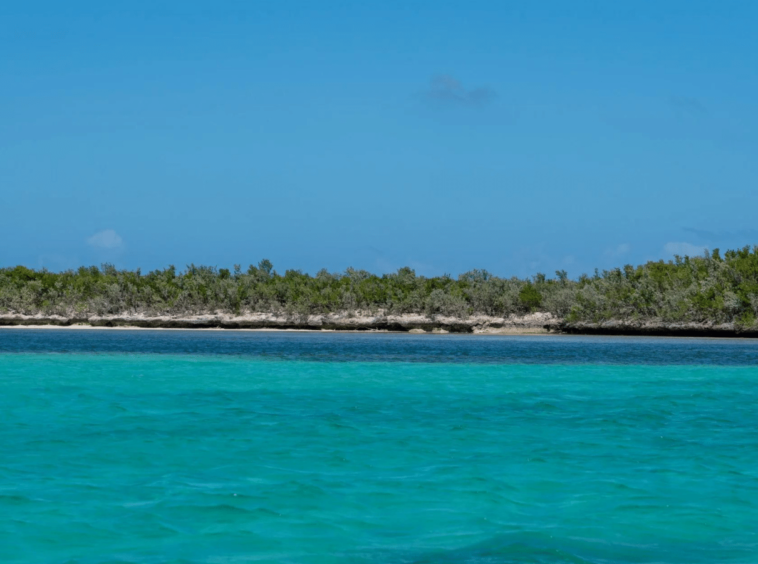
(659, 329)
(531, 324)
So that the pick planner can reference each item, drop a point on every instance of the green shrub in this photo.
(530, 297)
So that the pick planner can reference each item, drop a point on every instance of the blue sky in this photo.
(513, 136)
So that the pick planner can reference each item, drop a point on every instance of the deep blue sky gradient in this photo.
(512, 136)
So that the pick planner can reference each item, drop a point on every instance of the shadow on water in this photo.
(540, 548)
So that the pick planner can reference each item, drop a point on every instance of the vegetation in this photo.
(698, 289)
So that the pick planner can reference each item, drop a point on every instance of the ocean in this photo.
(230, 447)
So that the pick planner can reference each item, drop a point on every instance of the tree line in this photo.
(707, 288)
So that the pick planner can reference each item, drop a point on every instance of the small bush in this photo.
(530, 297)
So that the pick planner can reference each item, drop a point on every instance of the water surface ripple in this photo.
(149, 447)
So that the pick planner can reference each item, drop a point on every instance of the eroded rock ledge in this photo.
(529, 324)
(657, 329)
(532, 324)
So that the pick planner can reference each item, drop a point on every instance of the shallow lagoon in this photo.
(181, 446)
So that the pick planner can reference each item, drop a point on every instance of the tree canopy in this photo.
(711, 287)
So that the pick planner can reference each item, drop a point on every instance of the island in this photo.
(708, 295)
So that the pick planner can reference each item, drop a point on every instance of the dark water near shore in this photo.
(163, 446)
(387, 347)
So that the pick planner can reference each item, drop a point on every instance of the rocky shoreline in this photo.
(529, 324)
(532, 324)
(658, 329)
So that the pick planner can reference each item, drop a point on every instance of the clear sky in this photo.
(514, 136)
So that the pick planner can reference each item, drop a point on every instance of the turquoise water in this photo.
(251, 447)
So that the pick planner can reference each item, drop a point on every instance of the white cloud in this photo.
(107, 239)
(683, 249)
